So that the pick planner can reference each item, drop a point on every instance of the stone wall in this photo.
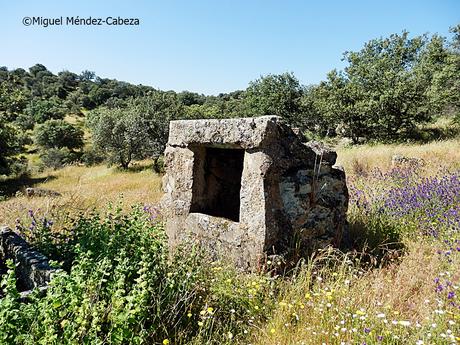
(32, 268)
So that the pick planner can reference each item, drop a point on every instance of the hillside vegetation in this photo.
(390, 91)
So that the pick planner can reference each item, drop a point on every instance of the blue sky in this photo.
(210, 46)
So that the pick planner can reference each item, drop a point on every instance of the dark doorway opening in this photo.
(217, 182)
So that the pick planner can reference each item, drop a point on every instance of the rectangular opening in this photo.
(217, 182)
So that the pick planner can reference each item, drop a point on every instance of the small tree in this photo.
(275, 95)
(157, 109)
(138, 131)
(383, 93)
(119, 133)
(58, 134)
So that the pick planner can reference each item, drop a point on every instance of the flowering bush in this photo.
(122, 287)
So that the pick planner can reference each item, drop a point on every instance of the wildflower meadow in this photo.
(394, 281)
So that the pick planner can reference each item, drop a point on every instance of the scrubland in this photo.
(395, 280)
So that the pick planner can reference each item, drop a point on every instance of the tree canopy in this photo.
(58, 134)
(137, 131)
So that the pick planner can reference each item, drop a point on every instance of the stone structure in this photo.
(400, 161)
(41, 192)
(249, 187)
(32, 267)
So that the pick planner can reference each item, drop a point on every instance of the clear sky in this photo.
(209, 46)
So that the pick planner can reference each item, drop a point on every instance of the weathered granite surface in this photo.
(249, 187)
(33, 269)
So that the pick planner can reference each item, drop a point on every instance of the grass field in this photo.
(84, 189)
(380, 294)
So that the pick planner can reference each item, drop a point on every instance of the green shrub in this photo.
(123, 287)
(58, 134)
(58, 158)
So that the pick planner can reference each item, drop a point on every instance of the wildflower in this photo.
(404, 323)
(210, 310)
(381, 315)
(230, 335)
(165, 342)
(200, 323)
(189, 315)
(272, 331)
(451, 295)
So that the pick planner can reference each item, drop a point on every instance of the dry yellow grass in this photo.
(403, 291)
(436, 155)
(83, 189)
